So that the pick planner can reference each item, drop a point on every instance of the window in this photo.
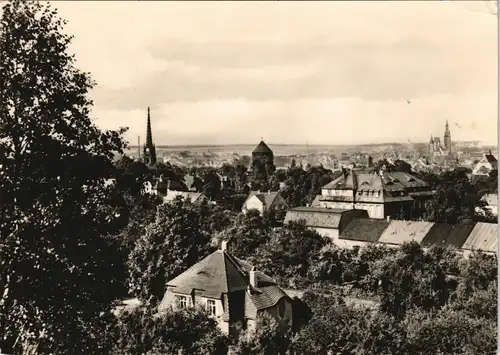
(211, 307)
(181, 301)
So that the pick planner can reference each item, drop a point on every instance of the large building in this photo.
(262, 154)
(381, 194)
(231, 290)
(149, 150)
(436, 148)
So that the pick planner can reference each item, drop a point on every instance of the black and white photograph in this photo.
(249, 177)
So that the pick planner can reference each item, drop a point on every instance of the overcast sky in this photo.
(324, 72)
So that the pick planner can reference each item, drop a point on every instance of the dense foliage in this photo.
(78, 231)
(188, 331)
(59, 274)
(172, 243)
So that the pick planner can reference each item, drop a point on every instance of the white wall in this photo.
(253, 203)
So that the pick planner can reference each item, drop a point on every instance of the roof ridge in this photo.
(235, 263)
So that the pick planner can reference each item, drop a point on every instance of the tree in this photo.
(411, 279)
(449, 332)
(246, 234)
(188, 331)
(268, 338)
(174, 242)
(333, 328)
(455, 201)
(211, 184)
(290, 251)
(59, 274)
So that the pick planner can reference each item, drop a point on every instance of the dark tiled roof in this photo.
(221, 273)
(267, 296)
(490, 158)
(364, 229)
(262, 148)
(216, 274)
(447, 234)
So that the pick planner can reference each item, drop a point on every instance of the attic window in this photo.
(411, 180)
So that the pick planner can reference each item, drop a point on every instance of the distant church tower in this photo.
(149, 153)
(447, 138)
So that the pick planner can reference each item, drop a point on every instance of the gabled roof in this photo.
(267, 296)
(399, 232)
(267, 198)
(364, 229)
(262, 148)
(218, 273)
(321, 217)
(483, 237)
(447, 234)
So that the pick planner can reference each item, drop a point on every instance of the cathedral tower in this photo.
(149, 153)
(447, 138)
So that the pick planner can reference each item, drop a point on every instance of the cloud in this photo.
(319, 121)
(323, 71)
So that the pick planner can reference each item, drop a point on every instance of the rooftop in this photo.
(262, 148)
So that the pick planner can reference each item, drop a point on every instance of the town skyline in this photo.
(212, 76)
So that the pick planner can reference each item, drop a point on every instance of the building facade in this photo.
(381, 194)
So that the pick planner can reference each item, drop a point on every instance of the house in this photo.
(361, 232)
(193, 197)
(264, 201)
(232, 291)
(484, 237)
(326, 221)
(491, 204)
(382, 194)
(485, 165)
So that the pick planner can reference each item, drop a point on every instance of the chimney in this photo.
(489, 151)
(253, 281)
(388, 218)
(268, 191)
(223, 245)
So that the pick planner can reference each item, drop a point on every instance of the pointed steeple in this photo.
(432, 140)
(149, 147)
(149, 135)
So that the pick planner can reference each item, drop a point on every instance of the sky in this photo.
(289, 72)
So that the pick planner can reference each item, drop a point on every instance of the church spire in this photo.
(149, 135)
(447, 138)
(149, 147)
